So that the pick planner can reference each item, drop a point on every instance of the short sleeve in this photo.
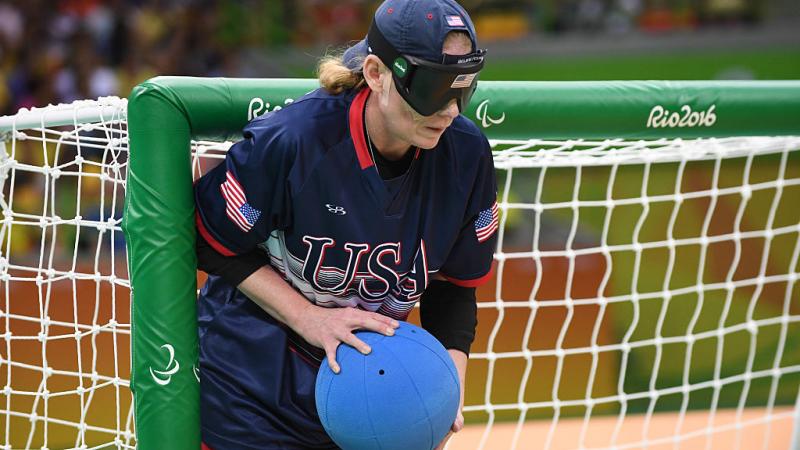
(241, 201)
(469, 262)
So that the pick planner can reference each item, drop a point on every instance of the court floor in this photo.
(756, 430)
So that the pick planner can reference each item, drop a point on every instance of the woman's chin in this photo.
(428, 137)
(427, 144)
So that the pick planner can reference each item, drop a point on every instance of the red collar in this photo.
(357, 128)
(356, 114)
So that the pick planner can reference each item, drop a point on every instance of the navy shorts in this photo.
(257, 378)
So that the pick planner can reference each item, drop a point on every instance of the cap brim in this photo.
(354, 56)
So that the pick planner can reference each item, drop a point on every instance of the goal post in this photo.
(647, 261)
(166, 113)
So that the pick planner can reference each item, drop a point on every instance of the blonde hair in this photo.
(336, 77)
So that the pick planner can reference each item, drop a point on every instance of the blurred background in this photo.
(55, 51)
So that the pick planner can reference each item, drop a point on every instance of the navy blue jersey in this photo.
(303, 186)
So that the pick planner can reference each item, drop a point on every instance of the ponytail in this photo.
(335, 77)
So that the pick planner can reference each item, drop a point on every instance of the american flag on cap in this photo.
(236, 206)
(455, 21)
(486, 223)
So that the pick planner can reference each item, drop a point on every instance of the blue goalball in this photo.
(404, 395)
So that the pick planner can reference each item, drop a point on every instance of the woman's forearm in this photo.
(322, 327)
(275, 296)
(460, 359)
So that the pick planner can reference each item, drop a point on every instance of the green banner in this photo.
(636, 109)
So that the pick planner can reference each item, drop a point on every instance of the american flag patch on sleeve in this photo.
(236, 206)
(486, 223)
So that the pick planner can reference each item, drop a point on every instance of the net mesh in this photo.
(634, 281)
(643, 277)
(65, 319)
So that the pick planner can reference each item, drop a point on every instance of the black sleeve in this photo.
(450, 313)
(233, 269)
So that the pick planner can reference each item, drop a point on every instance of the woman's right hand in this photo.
(328, 327)
(322, 327)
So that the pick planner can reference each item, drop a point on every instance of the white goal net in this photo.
(645, 293)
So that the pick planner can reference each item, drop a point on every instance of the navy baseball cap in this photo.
(416, 28)
(408, 35)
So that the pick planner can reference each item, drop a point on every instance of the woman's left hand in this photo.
(457, 426)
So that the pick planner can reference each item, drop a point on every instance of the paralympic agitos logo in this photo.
(163, 377)
(482, 114)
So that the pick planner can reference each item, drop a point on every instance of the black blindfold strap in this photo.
(472, 58)
(379, 46)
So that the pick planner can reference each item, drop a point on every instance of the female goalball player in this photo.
(339, 212)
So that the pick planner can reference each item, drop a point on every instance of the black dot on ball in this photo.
(381, 372)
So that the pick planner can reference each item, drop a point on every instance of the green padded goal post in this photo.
(166, 113)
